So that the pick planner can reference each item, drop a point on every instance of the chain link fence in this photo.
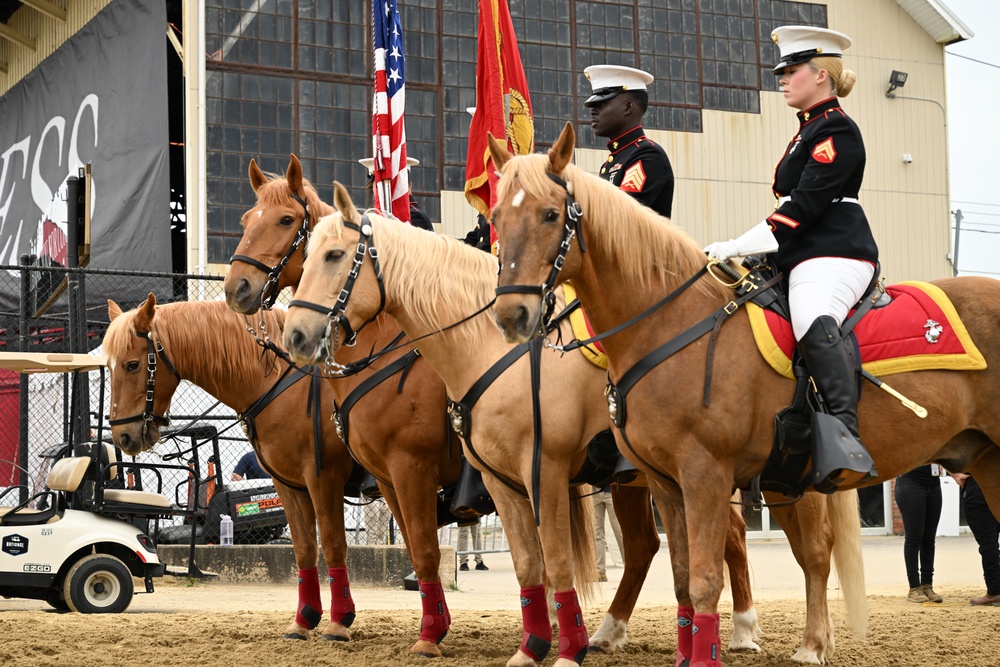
(66, 311)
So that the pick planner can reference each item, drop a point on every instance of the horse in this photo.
(205, 343)
(430, 281)
(398, 427)
(269, 258)
(624, 261)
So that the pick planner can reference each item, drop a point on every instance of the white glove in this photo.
(758, 239)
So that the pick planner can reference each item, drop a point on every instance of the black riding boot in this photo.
(839, 458)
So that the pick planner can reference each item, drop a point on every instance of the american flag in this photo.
(388, 136)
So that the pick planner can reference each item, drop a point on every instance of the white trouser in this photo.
(825, 286)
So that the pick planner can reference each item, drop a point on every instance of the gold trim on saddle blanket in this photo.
(972, 360)
(582, 332)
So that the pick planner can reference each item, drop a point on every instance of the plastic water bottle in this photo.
(225, 530)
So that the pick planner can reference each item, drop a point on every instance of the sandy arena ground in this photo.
(207, 623)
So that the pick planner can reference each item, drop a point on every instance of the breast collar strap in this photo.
(269, 294)
(571, 230)
(154, 349)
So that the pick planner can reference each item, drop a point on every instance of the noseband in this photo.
(571, 230)
(336, 315)
(269, 293)
(149, 417)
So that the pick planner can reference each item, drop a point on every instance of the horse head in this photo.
(536, 218)
(339, 292)
(269, 256)
(140, 396)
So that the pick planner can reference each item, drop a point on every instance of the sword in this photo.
(918, 410)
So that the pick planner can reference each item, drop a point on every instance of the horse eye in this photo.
(551, 215)
(287, 221)
(131, 366)
(334, 255)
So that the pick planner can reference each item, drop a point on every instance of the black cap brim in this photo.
(799, 58)
(602, 95)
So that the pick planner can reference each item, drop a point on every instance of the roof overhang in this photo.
(937, 20)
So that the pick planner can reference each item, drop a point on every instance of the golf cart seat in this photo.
(68, 475)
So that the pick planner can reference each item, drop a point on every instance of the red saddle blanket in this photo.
(920, 330)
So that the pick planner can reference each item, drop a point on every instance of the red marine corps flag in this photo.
(503, 106)
(392, 185)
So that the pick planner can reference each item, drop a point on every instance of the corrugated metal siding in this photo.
(723, 175)
(49, 34)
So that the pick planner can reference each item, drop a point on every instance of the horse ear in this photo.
(114, 310)
(561, 153)
(145, 312)
(294, 175)
(257, 177)
(498, 151)
(342, 200)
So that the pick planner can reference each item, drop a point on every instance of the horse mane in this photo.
(205, 338)
(655, 252)
(275, 192)
(440, 279)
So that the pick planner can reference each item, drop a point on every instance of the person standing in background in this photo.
(986, 529)
(918, 496)
(603, 506)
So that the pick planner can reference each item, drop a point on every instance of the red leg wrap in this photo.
(537, 638)
(310, 611)
(705, 641)
(685, 618)
(341, 602)
(573, 639)
(437, 619)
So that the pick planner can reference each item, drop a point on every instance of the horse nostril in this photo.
(243, 291)
(124, 442)
(522, 317)
(296, 339)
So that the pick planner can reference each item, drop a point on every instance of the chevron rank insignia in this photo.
(824, 151)
(634, 179)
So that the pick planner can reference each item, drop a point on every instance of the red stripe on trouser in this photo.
(685, 619)
(705, 641)
(309, 597)
(537, 637)
(436, 618)
(573, 640)
(341, 602)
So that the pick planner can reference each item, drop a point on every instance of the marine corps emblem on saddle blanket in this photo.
(919, 330)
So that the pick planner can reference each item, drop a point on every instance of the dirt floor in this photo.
(201, 623)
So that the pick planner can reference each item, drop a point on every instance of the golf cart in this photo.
(77, 543)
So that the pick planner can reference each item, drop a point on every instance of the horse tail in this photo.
(581, 522)
(845, 522)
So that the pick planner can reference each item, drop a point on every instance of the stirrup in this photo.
(624, 472)
(839, 458)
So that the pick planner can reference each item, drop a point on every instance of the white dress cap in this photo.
(609, 80)
(471, 110)
(801, 43)
(369, 163)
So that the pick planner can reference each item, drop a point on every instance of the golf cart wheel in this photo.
(55, 600)
(98, 584)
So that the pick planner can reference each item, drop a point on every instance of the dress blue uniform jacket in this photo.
(639, 166)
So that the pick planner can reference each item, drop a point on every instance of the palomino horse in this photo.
(206, 343)
(625, 260)
(398, 429)
(430, 282)
(269, 258)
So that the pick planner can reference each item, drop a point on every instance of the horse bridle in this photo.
(335, 314)
(149, 417)
(269, 293)
(571, 230)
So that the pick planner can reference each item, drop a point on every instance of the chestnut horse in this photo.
(398, 430)
(430, 282)
(273, 236)
(206, 343)
(625, 260)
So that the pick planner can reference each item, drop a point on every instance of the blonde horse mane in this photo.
(183, 328)
(440, 279)
(275, 193)
(655, 252)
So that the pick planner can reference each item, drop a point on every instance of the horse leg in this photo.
(640, 542)
(301, 524)
(413, 501)
(327, 493)
(745, 628)
(811, 540)
(670, 504)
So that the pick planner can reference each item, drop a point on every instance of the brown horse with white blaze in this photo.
(693, 452)
(206, 343)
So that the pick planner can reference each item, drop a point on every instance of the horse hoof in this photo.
(294, 635)
(334, 638)
(596, 649)
(426, 649)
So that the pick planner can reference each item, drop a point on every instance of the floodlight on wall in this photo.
(896, 80)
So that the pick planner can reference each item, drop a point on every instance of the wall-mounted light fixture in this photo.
(896, 80)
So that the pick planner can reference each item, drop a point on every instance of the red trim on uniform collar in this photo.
(626, 139)
(818, 110)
